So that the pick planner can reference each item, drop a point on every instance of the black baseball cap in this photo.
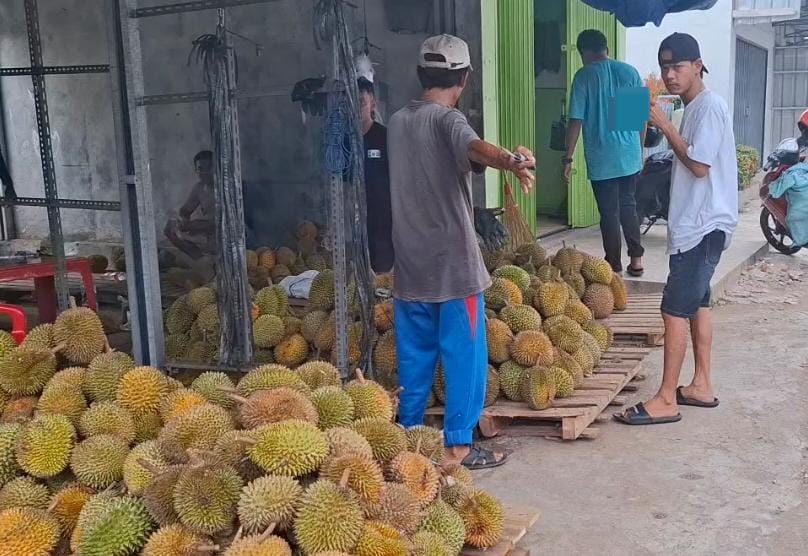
(682, 48)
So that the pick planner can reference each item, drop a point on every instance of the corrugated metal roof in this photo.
(750, 12)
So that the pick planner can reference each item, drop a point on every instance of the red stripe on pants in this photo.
(471, 309)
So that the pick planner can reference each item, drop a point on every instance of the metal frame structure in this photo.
(37, 70)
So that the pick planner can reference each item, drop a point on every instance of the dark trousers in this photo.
(617, 204)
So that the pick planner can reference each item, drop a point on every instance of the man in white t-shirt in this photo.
(702, 217)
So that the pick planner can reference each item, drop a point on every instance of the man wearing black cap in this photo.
(702, 217)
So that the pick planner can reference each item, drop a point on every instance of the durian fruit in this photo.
(263, 357)
(321, 294)
(552, 298)
(285, 256)
(317, 374)
(335, 408)
(24, 492)
(267, 258)
(576, 282)
(326, 335)
(566, 335)
(19, 409)
(385, 360)
(8, 459)
(198, 428)
(344, 441)
(597, 270)
(119, 527)
(26, 531)
(538, 388)
(279, 404)
(354, 345)
(520, 318)
(66, 504)
(577, 311)
(25, 371)
(268, 500)
(601, 333)
(500, 338)
(429, 544)
(502, 292)
(80, 335)
(563, 382)
(583, 356)
(252, 258)
(547, 273)
(439, 384)
(147, 425)
(568, 260)
(383, 316)
(565, 361)
(515, 274)
(279, 272)
(329, 517)
(370, 399)
(7, 343)
(158, 494)
(510, 380)
(142, 389)
(264, 544)
(62, 400)
(176, 540)
(491, 387)
(272, 300)
(397, 507)
(202, 352)
(178, 402)
(98, 461)
(179, 317)
(212, 386)
(292, 351)
(417, 473)
(289, 448)
(315, 261)
(198, 298)
(205, 498)
(104, 373)
(532, 253)
(427, 441)
(40, 337)
(231, 449)
(483, 518)
(44, 445)
(444, 520)
(493, 259)
(619, 292)
(386, 439)
(208, 322)
(600, 299)
(312, 322)
(589, 342)
(268, 331)
(379, 539)
(136, 476)
(532, 347)
(365, 477)
(267, 377)
(71, 376)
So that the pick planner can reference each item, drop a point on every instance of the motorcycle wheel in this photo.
(776, 235)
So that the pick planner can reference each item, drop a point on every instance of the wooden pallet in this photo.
(568, 418)
(641, 322)
(518, 521)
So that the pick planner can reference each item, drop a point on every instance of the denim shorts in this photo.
(688, 287)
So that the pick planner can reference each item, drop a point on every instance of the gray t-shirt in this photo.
(437, 254)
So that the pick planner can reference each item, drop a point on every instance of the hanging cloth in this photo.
(637, 13)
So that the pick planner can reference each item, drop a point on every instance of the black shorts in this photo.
(688, 287)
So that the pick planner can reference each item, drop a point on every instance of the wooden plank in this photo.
(516, 524)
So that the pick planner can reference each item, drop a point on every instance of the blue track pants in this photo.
(454, 333)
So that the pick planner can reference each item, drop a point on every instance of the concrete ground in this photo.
(732, 480)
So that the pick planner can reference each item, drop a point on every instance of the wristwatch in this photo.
(566, 160)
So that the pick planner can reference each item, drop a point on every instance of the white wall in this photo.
(761, 35)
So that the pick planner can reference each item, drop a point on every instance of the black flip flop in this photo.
(638, 415)
(480, 458)
(635, 272)
(681, 399)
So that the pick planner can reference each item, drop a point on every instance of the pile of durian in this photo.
(107, 458)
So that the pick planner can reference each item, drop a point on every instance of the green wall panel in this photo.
(490, 77)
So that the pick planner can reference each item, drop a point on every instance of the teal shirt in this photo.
(609, 154)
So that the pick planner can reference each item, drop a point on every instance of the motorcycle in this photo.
(654, 189)
(774, 211)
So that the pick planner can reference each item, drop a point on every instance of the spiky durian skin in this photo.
(197, 298)
(120, 528)
(25, 371)
(429, 544)
(29, 532)
(267, 377)
(515, 274)
(370, 399)
(328, 518)
(197, 428)
(563, 382)
(577, 311)
(98, 461)
(444, 520)
(566, 335)
(135, 476)
(417, 473)
(289, 448)
(9, 468)
(158, 495)
(427, 441)
(552, 297)
(231, 449)
(483, 518)
(380, 539)
(208, 384)
(386, 439)
(268, 500)
(19, 409)
(259, 545)
(343, 441)
(321, 294)
(600, 299)
(44, 445)
(104, 373)
(81, 333)
(107, 418)
(24, 491)
(40, 336)
(147, 425)
(62, 400)
(174, 540)
(205, 498)
(619, 292)
(532, 347)
(510, 380)
(568, 363)
(500, 338)
(317, 374)
(268, 331)
(70, 376)
(520, 318)
(142, 389)
(398, 507)
(292, 351)
(601, 333)
(66, 504)
(179, 401)
(179, 317)
(365, 478)
(334, 407)
(312, 322)
(272, 300)
(538, 388)
(491, 387)
(279, 404)
(597, 270)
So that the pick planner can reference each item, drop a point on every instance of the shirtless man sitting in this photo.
(194, 232)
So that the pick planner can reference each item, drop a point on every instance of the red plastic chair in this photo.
(18, 321)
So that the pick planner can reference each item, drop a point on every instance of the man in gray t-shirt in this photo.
(439, 272)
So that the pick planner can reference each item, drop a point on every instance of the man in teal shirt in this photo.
(613, 158)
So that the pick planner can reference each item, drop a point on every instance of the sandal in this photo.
(681, 399)
(480, 458)
(635, 272)
(638, 415)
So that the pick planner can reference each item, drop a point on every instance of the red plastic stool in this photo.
(18, 321)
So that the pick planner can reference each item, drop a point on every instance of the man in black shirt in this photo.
(377, 183)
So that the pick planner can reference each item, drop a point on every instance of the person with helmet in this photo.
(802, 125)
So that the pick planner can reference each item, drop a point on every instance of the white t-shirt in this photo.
(699, 206)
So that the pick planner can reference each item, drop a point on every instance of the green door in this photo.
(583, 211)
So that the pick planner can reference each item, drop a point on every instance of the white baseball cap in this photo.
(444, 52)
